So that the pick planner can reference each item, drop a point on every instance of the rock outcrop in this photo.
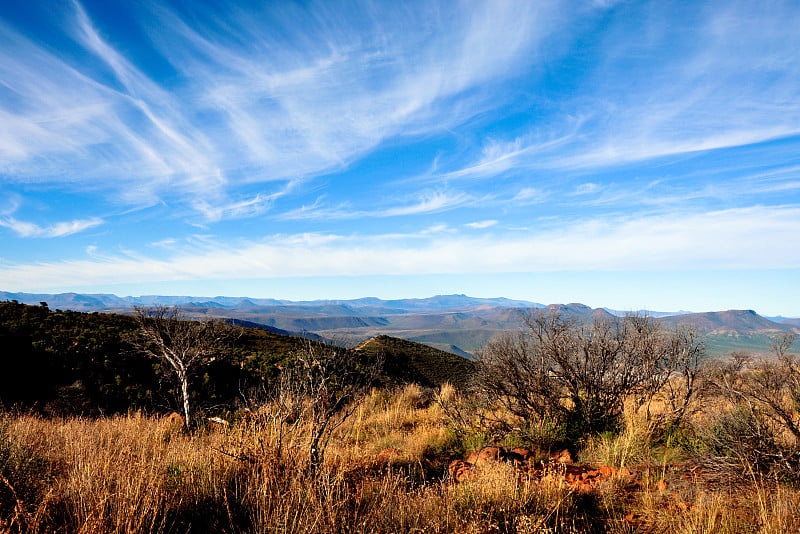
(560, 468)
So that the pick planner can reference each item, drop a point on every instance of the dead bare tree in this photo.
(517, 377)
(690, 377)
(781, 343)
(182, 346)
(579, 373)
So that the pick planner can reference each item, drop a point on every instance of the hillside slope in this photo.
(73, 362)
(740, 322)
(407, 361)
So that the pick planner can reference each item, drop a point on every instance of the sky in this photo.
(617, 153)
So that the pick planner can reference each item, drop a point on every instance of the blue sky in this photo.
(622, 154)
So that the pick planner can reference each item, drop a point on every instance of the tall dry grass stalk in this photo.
(132, 474)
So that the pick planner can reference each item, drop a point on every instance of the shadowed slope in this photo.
(407, 361)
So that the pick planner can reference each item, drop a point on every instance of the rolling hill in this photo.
(458, 324)
(728, 322)
(407, 361)
(579, 311)
(66, 362)
(362, 306)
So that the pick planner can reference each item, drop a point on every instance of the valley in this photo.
(458, 324)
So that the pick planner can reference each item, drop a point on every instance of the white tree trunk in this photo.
(185, 393)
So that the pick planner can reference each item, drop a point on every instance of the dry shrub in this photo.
(576, 377)
(738, 442)
(754, 507)
(27, 475)
(137, 474)
(140, 474)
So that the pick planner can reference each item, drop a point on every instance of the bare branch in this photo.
(581, 374)
(183, 346)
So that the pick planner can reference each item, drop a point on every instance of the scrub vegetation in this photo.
(324, 442)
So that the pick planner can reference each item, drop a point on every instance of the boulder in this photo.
(487, 455)
(561, 457)
(460, 470)
(174, 419)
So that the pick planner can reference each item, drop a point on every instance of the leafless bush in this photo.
(771, 386)
(766, 393)
(740, 442)
(320, 388)
(690, 375)
(581, 374)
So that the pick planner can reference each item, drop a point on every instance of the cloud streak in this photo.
(244, 111)
(717, 81)
(427, 202)
(730, 239)
(59, 229)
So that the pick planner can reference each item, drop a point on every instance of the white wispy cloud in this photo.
(721, 82)
(234, 210)
(168, 242)
(429, 203)
(754, 237)
(481, 224)
(529, 195)
(498, 156)
(425, 202)
(59, 229)
(335, 83)
(586, 188)
(727, 83)
(437, 229)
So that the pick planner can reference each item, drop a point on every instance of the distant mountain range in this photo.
(105, 301)
(457, 324)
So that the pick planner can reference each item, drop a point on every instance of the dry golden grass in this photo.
(132, 474)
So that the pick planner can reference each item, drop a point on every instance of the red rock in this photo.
(519, 456)
(486, 455)
(562, 457)
(526, 454)
(460, 470)
(174, 419)
(387, 455)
